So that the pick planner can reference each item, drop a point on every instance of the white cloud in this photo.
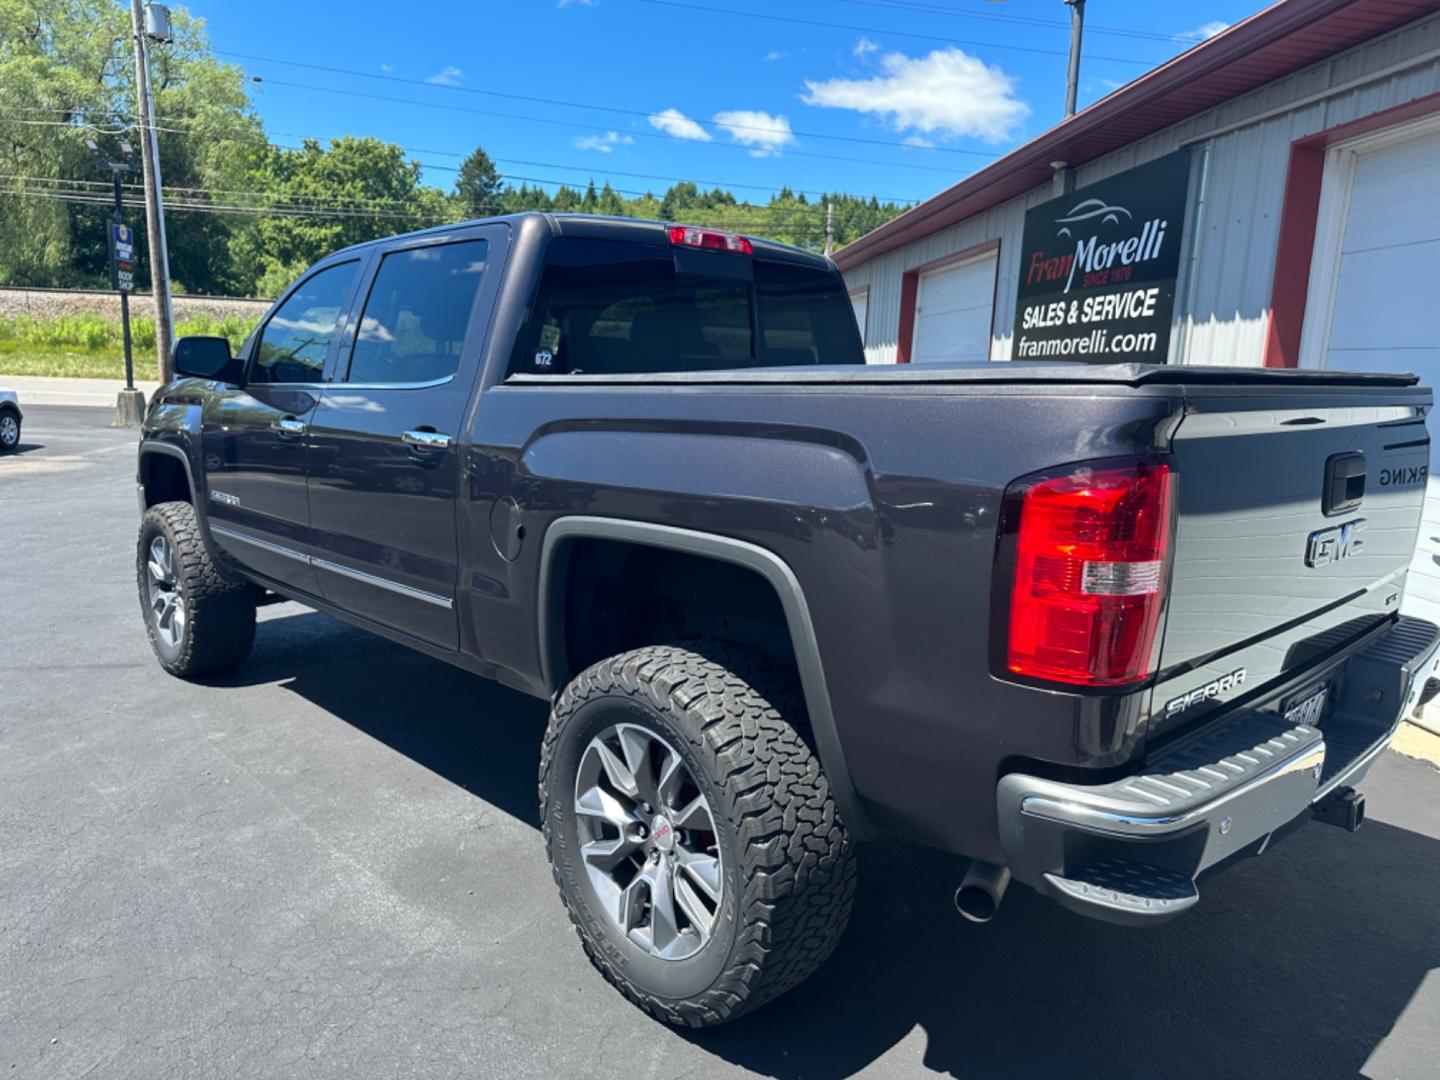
(1111, 84)
(773, 55)
(675, 123)
(919, 141)
(948, 92)
(865, 46)
(449, 75)
(1204, 31)
(576, 3)
(604, 143)
(764, 134)
(387, 68)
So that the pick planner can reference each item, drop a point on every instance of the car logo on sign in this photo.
(1335, 543)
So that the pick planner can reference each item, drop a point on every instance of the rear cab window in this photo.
(612, 307)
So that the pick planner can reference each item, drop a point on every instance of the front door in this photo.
(386, 458)
(254, 439)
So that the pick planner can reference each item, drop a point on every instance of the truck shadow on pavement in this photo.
(1296, 964)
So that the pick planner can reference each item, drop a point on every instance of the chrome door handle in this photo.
(426, 440)
(288, 425)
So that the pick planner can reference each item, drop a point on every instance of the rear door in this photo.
(1297, 516)
(386, 460)
(254, 438)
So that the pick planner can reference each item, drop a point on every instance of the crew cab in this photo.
(1101, 629)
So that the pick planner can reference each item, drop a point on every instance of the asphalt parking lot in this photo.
(329, 865)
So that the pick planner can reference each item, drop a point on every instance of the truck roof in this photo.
(605, 227)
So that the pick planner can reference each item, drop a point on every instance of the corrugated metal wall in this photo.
(1222, 312)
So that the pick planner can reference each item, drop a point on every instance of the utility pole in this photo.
(1077, 31)
(159, 30)
(829, 226)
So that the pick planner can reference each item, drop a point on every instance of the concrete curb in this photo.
(94, 393)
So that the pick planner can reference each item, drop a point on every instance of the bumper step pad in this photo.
(1126, 888)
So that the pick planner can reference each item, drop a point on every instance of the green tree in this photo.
(367, 189)
(67, 75)
(478, 186)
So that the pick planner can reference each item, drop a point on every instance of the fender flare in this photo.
(153, 447)
(725, 549)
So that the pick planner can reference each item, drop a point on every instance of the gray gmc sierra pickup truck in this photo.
(1099, 629)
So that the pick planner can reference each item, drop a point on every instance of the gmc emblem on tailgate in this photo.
(1335, 543)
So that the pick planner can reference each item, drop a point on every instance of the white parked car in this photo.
(9, 420)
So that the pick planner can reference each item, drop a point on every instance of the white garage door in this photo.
(860, 302)
(953, 313)
(1386, 309)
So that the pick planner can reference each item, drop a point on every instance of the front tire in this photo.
(9, 431)
(200, 621)
(691, 831)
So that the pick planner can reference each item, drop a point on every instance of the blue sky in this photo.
(897, 98)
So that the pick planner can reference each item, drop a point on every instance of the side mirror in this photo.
(204, 357)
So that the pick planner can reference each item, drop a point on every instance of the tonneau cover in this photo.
(1019, 373)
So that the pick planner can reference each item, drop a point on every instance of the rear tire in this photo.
(784, 876)
(200, 621)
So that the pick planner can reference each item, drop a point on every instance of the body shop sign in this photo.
(1098, 268)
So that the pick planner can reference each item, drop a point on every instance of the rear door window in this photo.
(610, 307)
(412, 329)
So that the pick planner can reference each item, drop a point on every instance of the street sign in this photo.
(122, 257)
(1098, 268)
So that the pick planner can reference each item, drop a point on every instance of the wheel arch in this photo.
(159, 469)
(551, 617)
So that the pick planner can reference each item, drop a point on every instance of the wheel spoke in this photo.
(599, 803)
(160, 556)
(631, 903)
(608, 854)
(635, 745)
(664, 927)
(694, 815)
(703, 870)
(619, 772)
(672, 775)
(701, 917)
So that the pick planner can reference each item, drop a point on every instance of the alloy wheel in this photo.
(648, 841)
(9, 431)
(167, 604)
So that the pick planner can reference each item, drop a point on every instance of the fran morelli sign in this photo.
(1098, 268)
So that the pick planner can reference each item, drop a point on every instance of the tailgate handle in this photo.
(1344, 482)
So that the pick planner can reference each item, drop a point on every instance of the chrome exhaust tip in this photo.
(981, 890)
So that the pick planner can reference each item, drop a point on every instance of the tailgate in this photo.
(1297, 517)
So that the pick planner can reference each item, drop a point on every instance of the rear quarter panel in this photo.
(883, 502)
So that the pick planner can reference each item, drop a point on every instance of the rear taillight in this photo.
(710, 239)
(1090, 568)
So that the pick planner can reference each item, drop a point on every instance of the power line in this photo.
(1023, 20)
(949, 171)
(95, 198)
(757, 228)
(589, 168)
(889, 33)
(644, 114)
